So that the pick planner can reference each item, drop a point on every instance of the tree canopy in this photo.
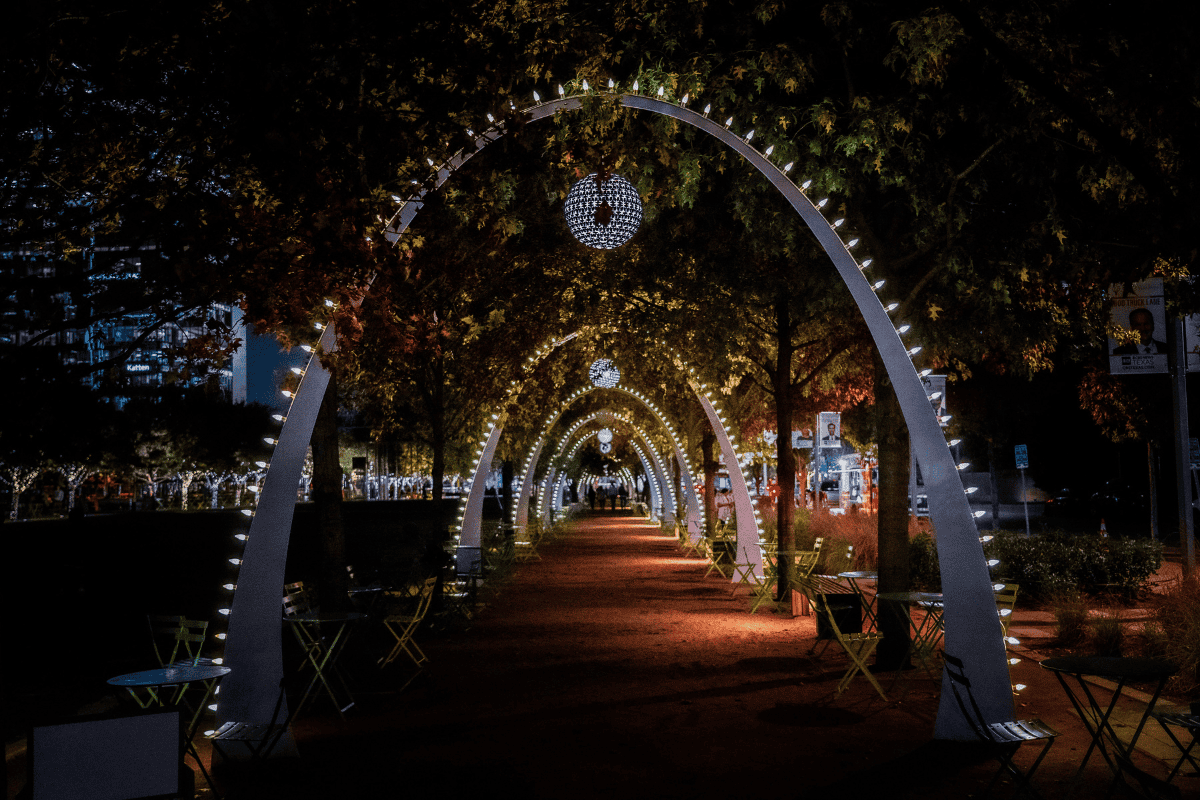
(1002, 165)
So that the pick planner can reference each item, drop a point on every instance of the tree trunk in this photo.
(785, 474)
(893, 518)
(1152, 464)
(707, 440)
(327, 496)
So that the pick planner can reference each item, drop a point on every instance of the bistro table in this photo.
(868, 605)
(153, 680)
(322, 636)
(1096, 716)
(926, 633)
(366, 598)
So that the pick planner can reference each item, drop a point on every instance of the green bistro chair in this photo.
(177, 641)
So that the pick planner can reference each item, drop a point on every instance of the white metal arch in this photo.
(655, 475)
(655, 480)
(470, 518)
(253, 647)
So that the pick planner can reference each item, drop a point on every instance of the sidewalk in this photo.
(614, 668)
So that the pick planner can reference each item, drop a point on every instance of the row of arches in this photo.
(253, 647)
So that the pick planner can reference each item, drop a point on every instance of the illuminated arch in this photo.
(470, 518)
(655, 473)
(748, 530)
(972, 626)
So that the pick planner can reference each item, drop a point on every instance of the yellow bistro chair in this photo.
(402, 626)
(177, 642)
(744, 571)
(525, 542)
(858, 646)
(764, 585)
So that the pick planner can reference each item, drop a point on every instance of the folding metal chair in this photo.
(764, 585)
(685, 540)
(177, 641)
(744, 571)
(403, 626)
(1190, 722)
(1003, 738)
(456, 601)
(803, 577)
(858, 646)
(257, 740)
(525, 542)
(298, 600)
(717, 553)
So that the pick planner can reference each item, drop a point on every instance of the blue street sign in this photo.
(1022, 456)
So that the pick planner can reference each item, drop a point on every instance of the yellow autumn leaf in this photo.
(1023, 275)
(934, 310)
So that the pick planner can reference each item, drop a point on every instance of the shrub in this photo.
(800, 526)
(1177, 614)
(923, 567)
(1108, 635)
(1070, 616)
(839, 530)
(1051, 563)
(769, 529)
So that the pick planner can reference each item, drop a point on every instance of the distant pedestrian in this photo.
(592, 497)
(623, 493)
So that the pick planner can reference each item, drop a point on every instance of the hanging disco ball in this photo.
(604, 435)
(603, 214)
(604, 373)
(605, 447)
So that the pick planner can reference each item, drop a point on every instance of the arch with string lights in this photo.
(253, 646)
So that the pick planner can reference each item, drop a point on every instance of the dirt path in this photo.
(614, 668)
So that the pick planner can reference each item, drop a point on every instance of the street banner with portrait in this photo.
(1142, 313)
(802, 439)
(935, 390)
(1191, 341)
(829, 428)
